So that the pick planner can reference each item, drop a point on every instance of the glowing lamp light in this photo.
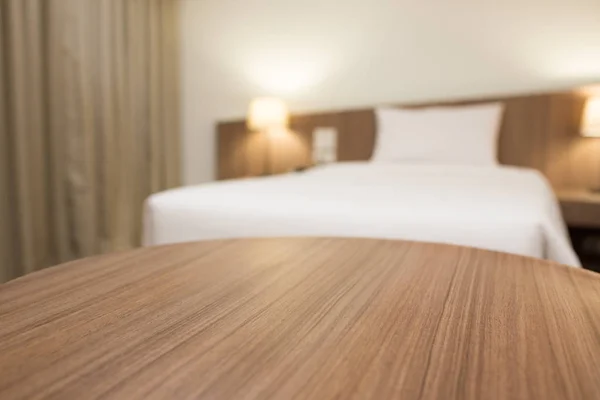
(590, 125)
(267, 114)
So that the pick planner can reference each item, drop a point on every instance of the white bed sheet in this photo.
(505, 209)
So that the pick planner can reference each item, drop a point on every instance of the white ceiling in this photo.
(392, 49)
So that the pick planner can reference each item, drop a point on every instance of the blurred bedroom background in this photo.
(106, 102)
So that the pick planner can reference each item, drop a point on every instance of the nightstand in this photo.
(581, 211)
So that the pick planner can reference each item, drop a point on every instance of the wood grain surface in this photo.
(538, 131)
(302, 319)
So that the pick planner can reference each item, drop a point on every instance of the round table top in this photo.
(303, 319)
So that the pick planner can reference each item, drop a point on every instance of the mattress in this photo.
(497, 208)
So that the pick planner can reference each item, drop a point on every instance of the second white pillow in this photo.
(441, 135)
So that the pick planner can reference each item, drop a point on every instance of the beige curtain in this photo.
(88, 125)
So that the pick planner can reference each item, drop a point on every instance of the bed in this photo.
(499, 208)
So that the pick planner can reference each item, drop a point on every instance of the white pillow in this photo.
(441, 135)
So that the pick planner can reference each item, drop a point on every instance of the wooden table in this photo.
(302, 319)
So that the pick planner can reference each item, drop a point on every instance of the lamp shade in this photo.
(267, 113)
(590, 125)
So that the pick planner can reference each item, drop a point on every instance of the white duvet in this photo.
(497, 208)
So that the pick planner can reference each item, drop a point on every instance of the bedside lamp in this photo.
(590, 125)
(268, 116)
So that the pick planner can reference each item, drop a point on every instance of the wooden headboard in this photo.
(538, 131)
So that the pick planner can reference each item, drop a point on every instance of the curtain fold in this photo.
(88, 125)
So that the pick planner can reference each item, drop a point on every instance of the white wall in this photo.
(332, 54)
